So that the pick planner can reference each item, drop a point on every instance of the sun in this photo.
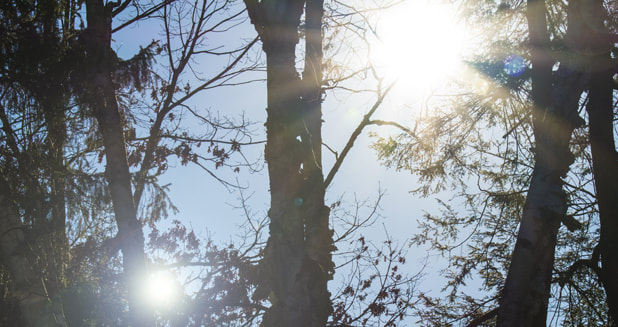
(419, 43)
(161, 289)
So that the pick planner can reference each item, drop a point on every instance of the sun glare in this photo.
(161, 289)
(419, 43)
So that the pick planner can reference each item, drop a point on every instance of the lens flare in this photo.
(514, 65)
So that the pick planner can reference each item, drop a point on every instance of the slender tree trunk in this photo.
(526, 292)
(52, 233)
(56, 140)
(605, 168)
(526, 289)
(28, 288)
(319, 241)
(595, 47)
(103, 101)
(52, 95)
(297, 262)
(37, 279)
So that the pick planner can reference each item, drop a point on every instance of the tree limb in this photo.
(366, 121)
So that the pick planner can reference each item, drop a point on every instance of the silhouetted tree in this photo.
(297, 260)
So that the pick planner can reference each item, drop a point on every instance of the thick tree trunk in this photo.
(297, 262)
(527, 287)
(605, 167)
(286, 250)
(103, 101)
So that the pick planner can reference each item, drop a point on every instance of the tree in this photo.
(49, 143)
(532, 260)
(36, 92)
(133, 103)
(601, 129)
(101, 97)
(526, 291)
(447, 148)
(297, 262)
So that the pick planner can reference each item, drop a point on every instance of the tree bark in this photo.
(526, 291)
(102, 97)
(297, 263)
(319, 240)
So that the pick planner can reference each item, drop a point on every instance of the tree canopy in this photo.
(503, 111)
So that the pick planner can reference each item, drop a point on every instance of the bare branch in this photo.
(366, 120)
(392, 123)
(143, 15)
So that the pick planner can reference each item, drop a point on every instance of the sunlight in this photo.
(420, 44)
(161, 289)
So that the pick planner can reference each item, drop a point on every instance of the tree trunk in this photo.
(52, 96)
(33, 205)
(526, 291)
(285, 252)
(605, 168)
(297, 262)
(103, 101)
(53, 234)
(319, 241)
(595, 47)
(28, 288)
